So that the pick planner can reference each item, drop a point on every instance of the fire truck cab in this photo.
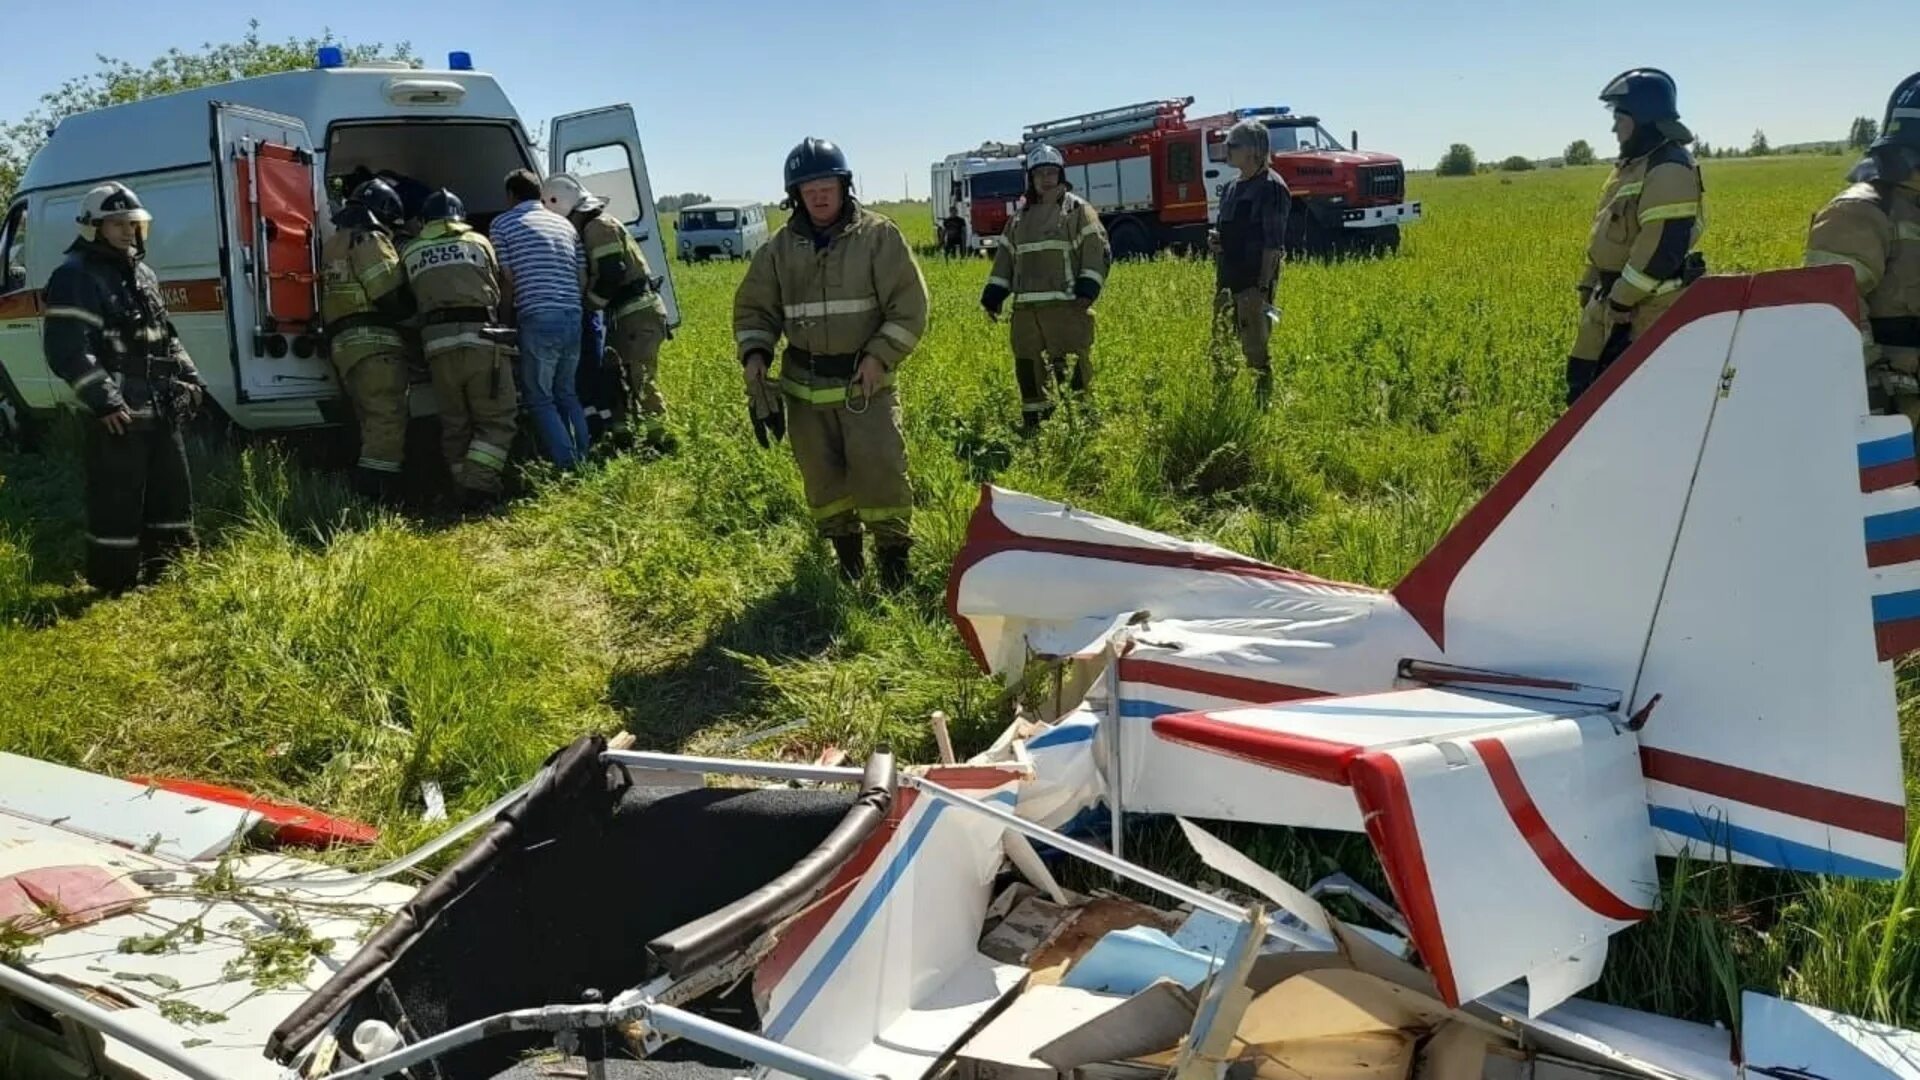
(1156, 176)
(242, 180)
(973, 195)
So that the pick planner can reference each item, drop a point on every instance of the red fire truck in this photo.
(973, 195)
(1156, 175)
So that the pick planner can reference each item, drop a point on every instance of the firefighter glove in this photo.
(993, 297)
(773, 424)
(766, 410)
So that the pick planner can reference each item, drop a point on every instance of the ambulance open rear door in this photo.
(602, 148)
(265, 173)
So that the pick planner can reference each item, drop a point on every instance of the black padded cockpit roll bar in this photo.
(716, 934)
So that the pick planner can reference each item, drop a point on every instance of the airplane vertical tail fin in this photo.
(1717, 530)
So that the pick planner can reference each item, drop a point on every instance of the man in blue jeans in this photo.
(545, 269)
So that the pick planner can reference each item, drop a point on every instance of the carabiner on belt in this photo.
(865, 399)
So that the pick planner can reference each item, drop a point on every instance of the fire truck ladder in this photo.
(1107, 123)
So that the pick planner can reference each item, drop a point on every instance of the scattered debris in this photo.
(164, 982)
(275, 958)
(182, 1012)
(436, 802)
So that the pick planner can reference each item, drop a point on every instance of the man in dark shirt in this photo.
(1247, 245)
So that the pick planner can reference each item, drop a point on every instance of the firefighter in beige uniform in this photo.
(1640, 256)
(620, 282)
(841, 284)
(456, 284)
(364, 301)
(1874, 228)
(1052, 262)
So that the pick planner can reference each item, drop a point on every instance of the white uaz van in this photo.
(721, 229)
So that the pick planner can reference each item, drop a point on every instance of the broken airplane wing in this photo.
(1696, 580)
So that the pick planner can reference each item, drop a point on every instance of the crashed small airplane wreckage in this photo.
(1668, 628)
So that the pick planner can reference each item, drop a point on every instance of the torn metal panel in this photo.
(1230, 861)
(1150, 1022)
(133, 815)
(1007, 1048)
(1790, 1040)
(1635, 1043)
(209, 970)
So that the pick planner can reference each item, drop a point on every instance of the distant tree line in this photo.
(1460, 159)
(668, 204)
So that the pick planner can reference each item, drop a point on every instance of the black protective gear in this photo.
(1901, 124)
(768, 429)
(1646, 94)
(380, 200)
(893, 564)
(994, 297)
(443, 205)
(814, 159)
(853, 556)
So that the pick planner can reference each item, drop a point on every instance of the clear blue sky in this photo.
(723, 89)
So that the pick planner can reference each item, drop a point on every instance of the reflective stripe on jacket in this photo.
(1052, 252)
(1650, 217)
(1874, 230)
(618, 277)
(854, 291)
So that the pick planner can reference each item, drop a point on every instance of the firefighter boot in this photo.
(1580, 375)
(853, 557)
(892, 564)
(378, 486)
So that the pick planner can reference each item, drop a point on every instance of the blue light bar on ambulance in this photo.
(330, 56)
(460, 61)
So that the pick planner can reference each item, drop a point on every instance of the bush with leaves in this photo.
(1458, 161)
(1579, 152)
(119, 81)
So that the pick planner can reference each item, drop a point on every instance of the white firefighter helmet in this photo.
(563, 193)
(111, 201)
(1045, 155)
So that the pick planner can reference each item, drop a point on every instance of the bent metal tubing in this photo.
(56, 999)
(663, 1018)
(310, 882)
(633, 1004)
(1103, 859)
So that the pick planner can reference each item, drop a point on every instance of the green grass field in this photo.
(319, 650)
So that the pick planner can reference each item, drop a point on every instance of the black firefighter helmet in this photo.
(443, 205)
(1896, 151)
(380, 200)
(815, 159)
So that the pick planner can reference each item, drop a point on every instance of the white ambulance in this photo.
(242, 179)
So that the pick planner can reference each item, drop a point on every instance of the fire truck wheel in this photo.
(1128, 238)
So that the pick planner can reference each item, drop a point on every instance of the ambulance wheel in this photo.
(20, 429)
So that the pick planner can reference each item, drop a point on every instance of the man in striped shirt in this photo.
(545, 269)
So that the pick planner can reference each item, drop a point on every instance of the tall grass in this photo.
(318, 649)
